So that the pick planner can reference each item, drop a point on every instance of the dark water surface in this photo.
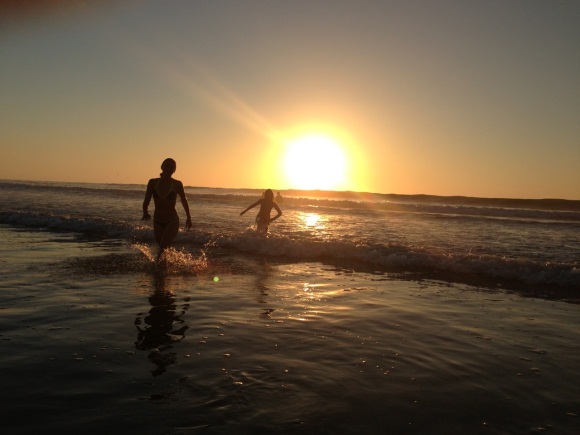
(251, 346)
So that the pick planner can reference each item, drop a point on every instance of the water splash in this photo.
(145, 250)
(175, 262)
(183, 263)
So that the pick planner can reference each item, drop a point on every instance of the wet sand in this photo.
(93, 339)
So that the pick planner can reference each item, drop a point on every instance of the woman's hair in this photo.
(168, 165)
(268, 194)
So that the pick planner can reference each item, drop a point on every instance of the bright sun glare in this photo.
(315, 161)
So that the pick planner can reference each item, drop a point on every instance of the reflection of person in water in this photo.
(263, 277)
(165, 191)
(266, 204)
(162, 327)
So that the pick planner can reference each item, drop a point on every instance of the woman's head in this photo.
(168, 166)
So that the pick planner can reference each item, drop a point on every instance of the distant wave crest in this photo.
(454, 207)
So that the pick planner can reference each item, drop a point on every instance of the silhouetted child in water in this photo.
(266, 204)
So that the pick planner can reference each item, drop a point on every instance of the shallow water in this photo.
(529, 245)
(247, 345)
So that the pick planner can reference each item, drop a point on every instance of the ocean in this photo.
(359, 313)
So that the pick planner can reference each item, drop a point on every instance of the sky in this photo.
(474, 98)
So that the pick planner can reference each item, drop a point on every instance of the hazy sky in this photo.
(478, 98)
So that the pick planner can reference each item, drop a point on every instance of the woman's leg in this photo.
(164, 235)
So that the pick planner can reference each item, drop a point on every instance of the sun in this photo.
(315, 161)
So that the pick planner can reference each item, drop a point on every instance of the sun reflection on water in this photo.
(312, 221)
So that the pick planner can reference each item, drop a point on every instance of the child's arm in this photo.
(279, 213)
(251, 206)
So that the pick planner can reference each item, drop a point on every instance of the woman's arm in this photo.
(184, 203)
(147, 200)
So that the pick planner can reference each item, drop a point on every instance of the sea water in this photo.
(498, 242)
(358, 314)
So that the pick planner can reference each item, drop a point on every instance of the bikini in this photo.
(169, 196)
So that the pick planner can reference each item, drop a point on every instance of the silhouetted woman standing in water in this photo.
(266, 204)
(164, 191)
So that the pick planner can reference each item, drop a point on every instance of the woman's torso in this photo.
(165, 197)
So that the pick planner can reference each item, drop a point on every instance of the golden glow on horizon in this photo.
(315, 161)
(314, 156)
